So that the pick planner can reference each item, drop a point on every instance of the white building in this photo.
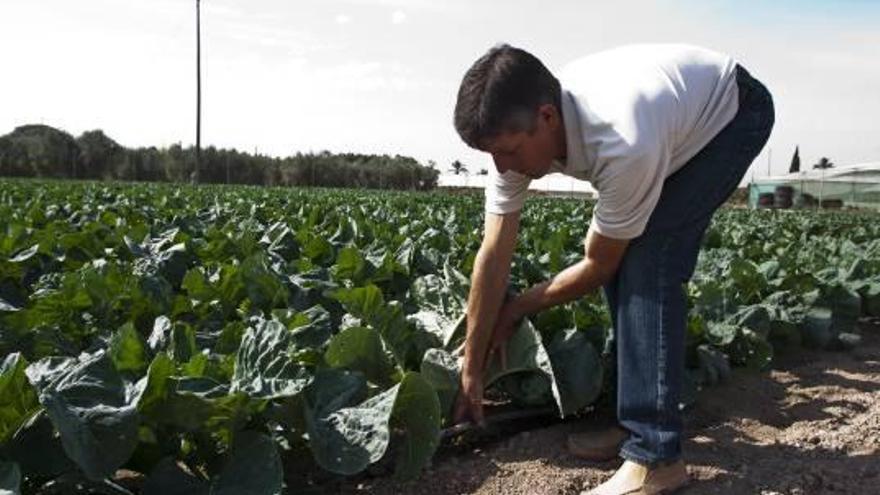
(854, 185)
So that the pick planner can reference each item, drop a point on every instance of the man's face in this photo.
(529, 153)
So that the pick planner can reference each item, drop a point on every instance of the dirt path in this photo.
(809, 426)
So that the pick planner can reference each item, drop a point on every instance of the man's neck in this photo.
(561, 139)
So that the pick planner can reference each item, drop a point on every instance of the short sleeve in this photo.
(506, 193)
(629, 191)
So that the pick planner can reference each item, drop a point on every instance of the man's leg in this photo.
(649, 300)
(651, 323)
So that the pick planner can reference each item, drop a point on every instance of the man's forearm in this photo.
(575, 281)
(488, 288)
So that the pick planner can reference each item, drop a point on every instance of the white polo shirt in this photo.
(633, 115)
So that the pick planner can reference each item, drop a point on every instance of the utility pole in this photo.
(198, 90)
(769, 159)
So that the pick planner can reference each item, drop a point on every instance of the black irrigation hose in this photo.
(496, 419)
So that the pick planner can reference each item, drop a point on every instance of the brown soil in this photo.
(811, 425)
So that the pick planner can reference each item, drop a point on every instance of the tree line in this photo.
(44, 151)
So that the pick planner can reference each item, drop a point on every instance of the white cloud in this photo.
(412, 4)
(398, 17)
(221, 10)
(278, 76)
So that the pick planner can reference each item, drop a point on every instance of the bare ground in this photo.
(811, 425)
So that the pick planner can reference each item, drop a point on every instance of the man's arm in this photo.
(489, 281)
(488, 288)
(602, 256)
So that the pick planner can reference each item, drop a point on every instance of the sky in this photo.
(380, 76)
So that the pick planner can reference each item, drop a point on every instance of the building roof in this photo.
(860, 172)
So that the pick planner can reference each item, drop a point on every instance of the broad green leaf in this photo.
(183, 342)
(871, 299)
(363, 302)
(367, 304)
(18, 399)
(37, 449)
(527, 389)
(266, 366)
(203, 404)
(417, 413)
(433, 322)
(433, 292)
(577, 370)
(350, 265)
(710, 299)
(127, 350)
(10, 478)
(555, 319)
(312, 328)
(816, 329)
(93, 409)
(755, 318)
(526, 354)
(747, 280)
(156, 387)
(721, 334)
(264, 288)
(442, 371)
(845, 307)
(339, 444)
(254, 467)
(346, 440)
(361, 349)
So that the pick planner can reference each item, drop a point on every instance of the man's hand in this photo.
(469, 403)
(505, 327)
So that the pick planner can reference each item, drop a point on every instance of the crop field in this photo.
(248, 340)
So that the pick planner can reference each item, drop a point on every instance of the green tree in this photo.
(823, 163)
(795, 162)
(99, 156)
(39, 151)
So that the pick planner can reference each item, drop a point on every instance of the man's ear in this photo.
(548, 113)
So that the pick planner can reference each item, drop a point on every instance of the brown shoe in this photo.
(635, 479)
(601, 445)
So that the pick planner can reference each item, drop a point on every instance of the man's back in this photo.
(679, 92)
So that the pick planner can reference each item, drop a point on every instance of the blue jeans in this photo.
(646, 296)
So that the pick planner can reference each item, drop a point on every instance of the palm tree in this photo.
(823, 164)
(458, 168)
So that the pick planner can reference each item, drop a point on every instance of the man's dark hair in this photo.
(502, 92)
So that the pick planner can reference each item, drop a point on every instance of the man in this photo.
(665, 133)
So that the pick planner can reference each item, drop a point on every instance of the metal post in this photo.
(852, 196)
(198, 90)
